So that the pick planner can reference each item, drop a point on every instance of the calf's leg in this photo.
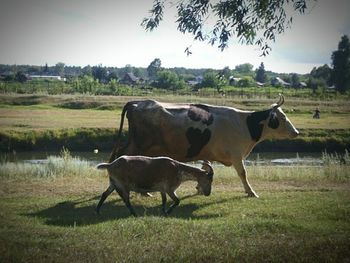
(125, 195)
(104, 195)
(176, 202)
(163, 203)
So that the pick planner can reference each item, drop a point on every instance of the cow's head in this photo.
(277, 124)
(271, 123)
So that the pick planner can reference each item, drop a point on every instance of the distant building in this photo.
(233, 81)
(47, 77)
(8, 75)
(302, 84)
(277, 81)
(129, 79)
(260, 84)
(195, 81)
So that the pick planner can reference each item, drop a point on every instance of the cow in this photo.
(190, 132)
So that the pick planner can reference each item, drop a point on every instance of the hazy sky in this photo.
(108, 32)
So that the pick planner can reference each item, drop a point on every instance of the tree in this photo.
(210, 79)
(153, 68)
(100, 73)
(341, 65)
(316, 83)
(21, 77)
(250, 21)
(169, 80)
(261, 74)
(245, 68)
(294, 80)
(226, 72)
(112, 76)
(87, 84)
(323, 72)
(59, 68)
(246, 81)
(46, 68)
(87, 70)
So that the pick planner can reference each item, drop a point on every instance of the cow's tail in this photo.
(103, 166)
(116, 146)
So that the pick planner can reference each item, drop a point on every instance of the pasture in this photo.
(48, 122)
(47, 210)
(302, 215)
(38, 112)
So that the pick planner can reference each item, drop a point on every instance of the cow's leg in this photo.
(242, 173)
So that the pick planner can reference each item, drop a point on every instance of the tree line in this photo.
(243, 75)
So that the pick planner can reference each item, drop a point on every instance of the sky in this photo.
(108, 32)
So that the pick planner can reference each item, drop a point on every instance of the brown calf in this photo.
(158, 174)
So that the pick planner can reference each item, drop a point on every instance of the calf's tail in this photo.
(102, 166)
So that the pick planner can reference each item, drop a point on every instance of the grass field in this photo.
(19, 112)
(302, 215)
(17, 118)
(47, 211)
(49, 122)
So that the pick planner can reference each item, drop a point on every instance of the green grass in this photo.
(83, 122)
(47, 211)
(71, 111)
(302, 215)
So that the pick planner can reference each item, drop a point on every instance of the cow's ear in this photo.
(273, 120)
(274, 107)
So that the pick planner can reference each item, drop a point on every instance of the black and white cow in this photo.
(188, 132)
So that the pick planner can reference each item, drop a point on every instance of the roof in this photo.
(281, 81)
(130, 76)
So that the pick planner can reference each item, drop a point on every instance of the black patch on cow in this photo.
(200, 112)
(254, 126)
(197, 140)
(273, 121)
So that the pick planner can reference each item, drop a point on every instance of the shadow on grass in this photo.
(73, 213)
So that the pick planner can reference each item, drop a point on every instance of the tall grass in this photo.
(53, 166)
(334, 167)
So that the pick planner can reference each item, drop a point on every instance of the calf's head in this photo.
(205, 180)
